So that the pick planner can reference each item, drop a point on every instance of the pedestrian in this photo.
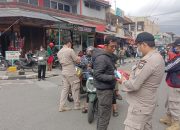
(68, 59)
(172, 117)
(121, 55)
(104, 80)
(141, 88)
(50, 54)
(42, 61)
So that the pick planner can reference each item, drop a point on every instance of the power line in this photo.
(172, 12)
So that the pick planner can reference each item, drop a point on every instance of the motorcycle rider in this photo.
(86, 65)
(50, 54)
(172, 117)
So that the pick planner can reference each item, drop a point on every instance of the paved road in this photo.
(33, 105)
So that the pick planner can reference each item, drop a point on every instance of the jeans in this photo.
(41, 71)
(104, 108)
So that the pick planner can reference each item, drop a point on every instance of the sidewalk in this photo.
(4, 75)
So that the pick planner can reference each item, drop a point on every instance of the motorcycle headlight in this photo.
(90, 85)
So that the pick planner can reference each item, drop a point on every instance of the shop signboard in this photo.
(12, 55)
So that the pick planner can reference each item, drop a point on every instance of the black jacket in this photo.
(104, 66)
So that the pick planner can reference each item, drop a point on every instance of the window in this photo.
(60, 6)
(92, 5)
(33, 2)
(98, 7)
(86, 4)
(24, 1)
(53, 5)
(47, 3)
(67, 8)
(140, 26)
(132, 27)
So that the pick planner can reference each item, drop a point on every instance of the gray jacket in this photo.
(42, 57)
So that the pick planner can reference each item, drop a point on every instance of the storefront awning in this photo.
(75, 21)
(15, 12)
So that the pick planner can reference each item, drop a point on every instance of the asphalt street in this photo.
(33, 105)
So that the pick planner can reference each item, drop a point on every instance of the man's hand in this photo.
(78, 60)
(120, 81)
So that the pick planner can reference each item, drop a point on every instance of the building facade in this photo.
(38, 22)
(141, 24)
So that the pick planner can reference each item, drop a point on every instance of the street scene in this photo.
(89, 65)
(30, 105)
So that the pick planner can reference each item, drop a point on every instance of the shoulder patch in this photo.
(141, 64)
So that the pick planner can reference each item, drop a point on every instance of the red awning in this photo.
(100, 28)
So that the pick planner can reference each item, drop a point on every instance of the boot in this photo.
(175, 126)
(166, 120)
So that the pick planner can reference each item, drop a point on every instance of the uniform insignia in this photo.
(141, 64)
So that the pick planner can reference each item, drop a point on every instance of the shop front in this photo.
(22, 30)
(81, 33)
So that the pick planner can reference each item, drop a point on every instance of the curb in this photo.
(32, 76)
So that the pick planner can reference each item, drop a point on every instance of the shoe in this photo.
(119, 97)
(174, 126)
(78, 108)
(64, 109)
(84, 110)
(115, 114)
(166, 120)
(39, 79)
(43, 79)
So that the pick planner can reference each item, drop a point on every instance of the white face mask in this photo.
(139, 52)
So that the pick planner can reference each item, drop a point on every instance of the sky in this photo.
(166, 13)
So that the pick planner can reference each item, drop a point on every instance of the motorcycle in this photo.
(4, 64)
(93, 101)
(29, 63)
(83, 81)
(56, 63)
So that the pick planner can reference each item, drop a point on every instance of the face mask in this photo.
(139, 53)
(176, 50)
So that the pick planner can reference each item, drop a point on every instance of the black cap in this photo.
(177, 42)
(145, 37)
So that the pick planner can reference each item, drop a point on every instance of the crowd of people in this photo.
(141, 84)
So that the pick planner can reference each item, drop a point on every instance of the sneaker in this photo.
(166, 120)
(115, 114)
(64, 109)
(84, 110)
(39, 79)
(78, 107)
(119, 97)
(174, 126)
(43, 79)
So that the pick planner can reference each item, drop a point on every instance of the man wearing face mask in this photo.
(42, 61)
(68, 59)
(142, 85)
(172, 117)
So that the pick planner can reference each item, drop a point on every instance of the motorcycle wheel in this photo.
(3, 65)
(91, 112)
(70, 98)
(35, 68)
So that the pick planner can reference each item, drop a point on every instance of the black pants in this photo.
(104, 108)
(41, 71)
